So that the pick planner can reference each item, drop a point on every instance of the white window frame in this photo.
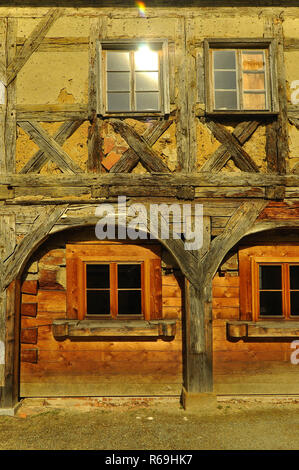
(158, 44)
(270, 73)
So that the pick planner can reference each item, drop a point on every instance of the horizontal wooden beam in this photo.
(60, 44)
(266, 329)
(52, 112)
(206, 179)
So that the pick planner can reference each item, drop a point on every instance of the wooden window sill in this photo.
(101, 328)
(263, 329)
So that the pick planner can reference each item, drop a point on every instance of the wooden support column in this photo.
(9, 389)
(198, 367)
(282, 119)
(198, 370)
(8, 124)
(95, 153)
(9, 317)
(182, 97)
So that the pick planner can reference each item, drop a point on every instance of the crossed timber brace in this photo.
(140, 147)
(231, 146)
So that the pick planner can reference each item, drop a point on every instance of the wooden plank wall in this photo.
(255, 367)
(90, 368)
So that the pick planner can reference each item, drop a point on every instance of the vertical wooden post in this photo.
(282, 119)
(198, 362)
(9, 318)
(95, 154)
(198, 376)
(9, 390)
(3, 66)
(8, 123)
(182, 97)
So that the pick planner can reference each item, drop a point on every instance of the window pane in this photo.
(147, 101)
(129, 302)
(225, 80)
(253, 60)
(118, 101)
(253, 81)
(118, 81)
(294, 277)
(294, 303)
(147, 81)
(129, 276)
(145, 59)
(224, 59)
(226, 100)
(270, 303)
(98, 302)
(254, 100)
(117, 60)
(270, 277)
(97, 276)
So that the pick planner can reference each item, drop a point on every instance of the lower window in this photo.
(113, 281)
(277, 294)
(269, 282)
(114, 289)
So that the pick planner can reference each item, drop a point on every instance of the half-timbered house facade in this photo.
(157, 103)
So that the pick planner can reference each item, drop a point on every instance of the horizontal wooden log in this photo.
(267, 329)
(94, 328)
(60, 44)
(48, 279)
(29, 287)
(29, 355)
(29, 309)
(206, 179)
(51, 301)
(101, 388)
(29, 335)
(280, 210)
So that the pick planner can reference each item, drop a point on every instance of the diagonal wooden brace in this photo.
(232, 146)
(140, 147)
(50, 147)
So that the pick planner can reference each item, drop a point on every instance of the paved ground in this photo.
(229, 426)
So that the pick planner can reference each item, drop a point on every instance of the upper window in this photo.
(133, 78)
(269, 282)
(240, 78)
(113, 281)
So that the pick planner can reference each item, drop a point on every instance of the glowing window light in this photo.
(141, 8)
(145, 59)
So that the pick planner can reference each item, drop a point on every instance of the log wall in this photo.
(255, 366)
(87, 367)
